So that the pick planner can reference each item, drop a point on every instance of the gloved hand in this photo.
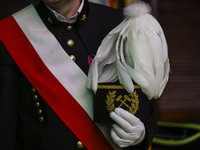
(128, 130)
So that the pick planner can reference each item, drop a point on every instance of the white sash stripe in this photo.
(55, 58)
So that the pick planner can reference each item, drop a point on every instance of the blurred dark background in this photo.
(180, 20)
(180, 101)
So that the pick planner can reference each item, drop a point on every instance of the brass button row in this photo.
(70, 42)
(37, 105)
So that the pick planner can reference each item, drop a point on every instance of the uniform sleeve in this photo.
(8, 100)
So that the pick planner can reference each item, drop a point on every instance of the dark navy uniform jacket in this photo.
(26, 120)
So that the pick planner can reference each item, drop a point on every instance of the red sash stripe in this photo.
(60, 100)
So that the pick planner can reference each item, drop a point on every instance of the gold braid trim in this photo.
(117, 87)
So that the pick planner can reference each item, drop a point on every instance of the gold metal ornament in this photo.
(51, 21)
(131, 98)
(83, 17)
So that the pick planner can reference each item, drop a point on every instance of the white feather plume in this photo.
(136, 50)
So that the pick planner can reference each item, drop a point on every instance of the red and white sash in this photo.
(52, 72)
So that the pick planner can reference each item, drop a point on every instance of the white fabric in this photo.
(128, 130)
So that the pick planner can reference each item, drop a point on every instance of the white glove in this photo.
(128, 131)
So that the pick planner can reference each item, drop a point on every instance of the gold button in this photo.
(73, 57)
(70, 42)
(39, 111)
(37, 104)
(80, 144)
(33, 90)
(35, 97)
(69, 28)
(41, 119)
